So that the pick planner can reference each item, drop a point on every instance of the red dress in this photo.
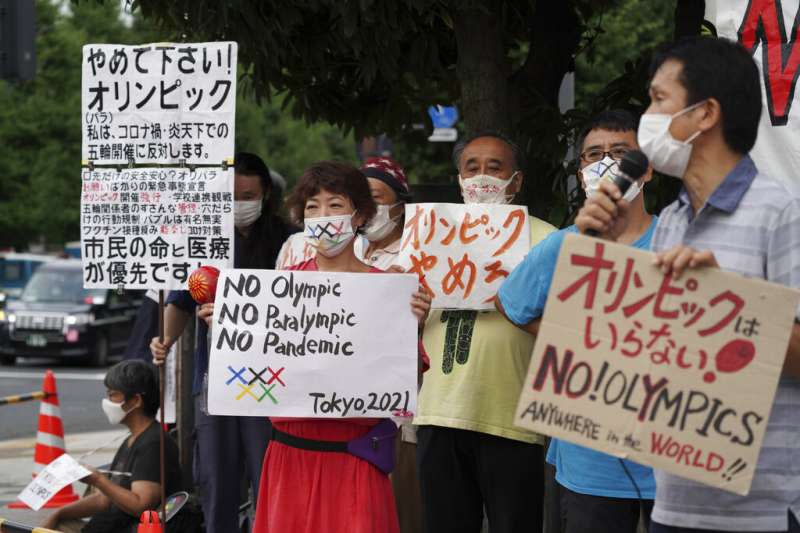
(304, 491)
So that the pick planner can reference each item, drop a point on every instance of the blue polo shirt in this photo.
(751, 222)
(580, 469)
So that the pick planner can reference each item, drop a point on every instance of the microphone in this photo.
(632, 167)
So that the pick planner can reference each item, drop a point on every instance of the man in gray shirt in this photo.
(701, 124)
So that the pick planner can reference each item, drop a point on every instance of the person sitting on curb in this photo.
(135, 486)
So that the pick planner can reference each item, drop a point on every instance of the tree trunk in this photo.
(688, 17)
(482, 67)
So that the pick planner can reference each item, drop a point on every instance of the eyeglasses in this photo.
(595, 154)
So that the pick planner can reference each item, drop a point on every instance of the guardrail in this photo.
(17, 398)
(7, 526)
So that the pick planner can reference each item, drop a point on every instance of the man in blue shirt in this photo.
(599, 493)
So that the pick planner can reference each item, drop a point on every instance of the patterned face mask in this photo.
(329, 235)
(606, 169)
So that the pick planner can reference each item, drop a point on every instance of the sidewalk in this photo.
(16, 467)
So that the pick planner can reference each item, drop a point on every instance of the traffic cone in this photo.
(149, 523)
(49, 442)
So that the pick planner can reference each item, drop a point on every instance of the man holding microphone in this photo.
(699, 128)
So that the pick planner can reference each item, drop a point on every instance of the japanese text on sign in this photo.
(679, 375)
(159, 103)
(150, 227)
(61, 472)
(299, 344)
(462, 253)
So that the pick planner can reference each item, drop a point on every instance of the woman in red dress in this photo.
(307, 491)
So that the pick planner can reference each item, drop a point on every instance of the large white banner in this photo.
(767, 29)
(462, 253)
(313, 344)
(159, 103)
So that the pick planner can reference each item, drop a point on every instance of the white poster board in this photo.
(58, 474)
(151, 227)
(158, 103)
(313, 344)
(165, 105)
(462, 253)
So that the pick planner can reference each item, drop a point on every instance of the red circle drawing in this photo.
(735, 355)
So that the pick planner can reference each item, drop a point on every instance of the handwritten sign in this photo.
(462, 253)
(58, 474)
(159, 103)
(679, 375)
(313, 344)
(150, 227)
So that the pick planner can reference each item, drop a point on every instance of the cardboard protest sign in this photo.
(158, 103)
(313, 344)
(679, 375)
(58, 474)
(462, 253)
(151, 227)
(768, 31)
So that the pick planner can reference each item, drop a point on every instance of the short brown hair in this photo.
(334, 177)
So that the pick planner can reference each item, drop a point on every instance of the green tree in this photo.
(375, 65)
(40, 132)
(286, 143)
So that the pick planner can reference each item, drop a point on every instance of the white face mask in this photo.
(606, 169)
(381, 224)
(485, 189)
(667, 154)
(114, 411)
(245, 212)
(330, 235)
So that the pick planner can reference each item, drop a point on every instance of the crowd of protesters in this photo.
(461, 461)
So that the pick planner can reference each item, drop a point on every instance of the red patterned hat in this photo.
(388, 171)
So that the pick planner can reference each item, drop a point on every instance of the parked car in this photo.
(56, 317)
(15, 271)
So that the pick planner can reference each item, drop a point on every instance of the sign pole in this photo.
(162, 374)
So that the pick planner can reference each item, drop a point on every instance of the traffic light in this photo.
(17, 39)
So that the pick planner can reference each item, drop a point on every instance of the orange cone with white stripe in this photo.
(149, 523)
(49, 442)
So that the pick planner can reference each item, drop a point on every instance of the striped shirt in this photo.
(752, 225)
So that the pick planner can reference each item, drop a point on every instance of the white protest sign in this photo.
(676, 374)
(313, 344)
(768, 30)
(158, 103)
(58, 474)
(151, 227)
(462, 253)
